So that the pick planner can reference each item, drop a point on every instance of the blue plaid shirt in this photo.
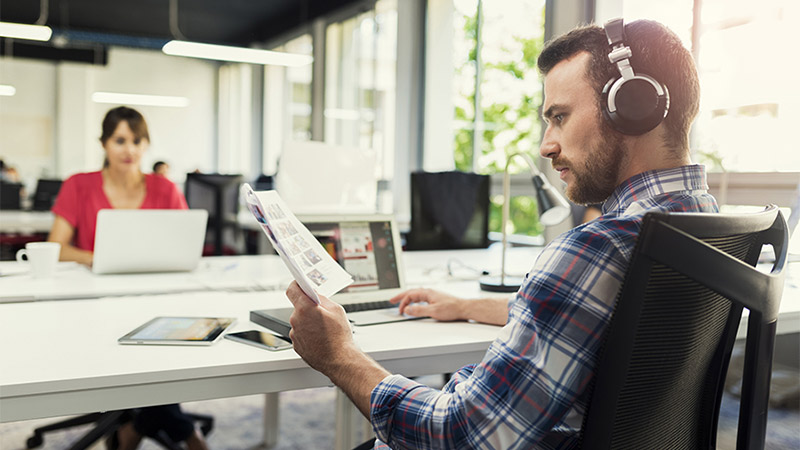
(529, 390)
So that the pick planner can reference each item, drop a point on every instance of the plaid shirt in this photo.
(529, 390)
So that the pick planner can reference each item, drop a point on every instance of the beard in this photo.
(596, 177)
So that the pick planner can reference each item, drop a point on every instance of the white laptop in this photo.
(148, 240)
(368, 247)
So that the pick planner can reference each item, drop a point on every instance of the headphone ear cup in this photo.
(636, 105)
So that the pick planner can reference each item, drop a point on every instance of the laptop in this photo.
(368, 247)
(148, 240)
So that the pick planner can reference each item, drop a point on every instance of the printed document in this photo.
(311, 266)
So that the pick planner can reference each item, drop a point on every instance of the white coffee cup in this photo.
(42, 257)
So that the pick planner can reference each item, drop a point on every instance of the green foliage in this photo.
(713, 160)
(511, 126)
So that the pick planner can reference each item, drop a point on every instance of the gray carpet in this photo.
(307, 422)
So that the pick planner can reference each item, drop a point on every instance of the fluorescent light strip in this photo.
(7, 91)
(139, 99)
(235, 54)
(25, 31)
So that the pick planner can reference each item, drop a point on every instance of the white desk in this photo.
(74, 281)
(28, 222)
(62, 358)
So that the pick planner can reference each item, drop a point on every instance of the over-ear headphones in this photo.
(633, 103)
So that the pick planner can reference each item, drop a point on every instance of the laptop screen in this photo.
(367, 248)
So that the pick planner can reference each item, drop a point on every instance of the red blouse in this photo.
(81, 197)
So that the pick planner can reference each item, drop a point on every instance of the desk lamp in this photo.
(553, 209)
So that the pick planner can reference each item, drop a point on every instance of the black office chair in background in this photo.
(219, 195)
(449, 210)
(107, 423)
(45, 194)
(662, 370)
(10, 195)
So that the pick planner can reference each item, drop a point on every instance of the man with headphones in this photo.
(619, 103)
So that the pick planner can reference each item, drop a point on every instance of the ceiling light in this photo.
(25, 31)
(7, 91)
(140, 99)
(235, 54)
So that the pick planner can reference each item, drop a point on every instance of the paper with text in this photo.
(311, 266)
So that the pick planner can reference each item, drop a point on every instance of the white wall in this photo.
(27, 118)
(51, 126)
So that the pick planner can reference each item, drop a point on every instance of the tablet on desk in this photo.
(179, 331)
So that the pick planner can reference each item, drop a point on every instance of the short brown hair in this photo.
(116, 115)
(657, 52)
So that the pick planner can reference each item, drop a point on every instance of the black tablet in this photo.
(179, 331)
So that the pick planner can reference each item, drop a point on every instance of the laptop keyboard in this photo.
(367, 306)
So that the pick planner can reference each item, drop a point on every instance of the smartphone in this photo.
(260, 339)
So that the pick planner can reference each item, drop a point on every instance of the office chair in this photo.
(449, 210)
(660, 377)
(219, 195)
(45, 194)
(10, 195)
(107, 423)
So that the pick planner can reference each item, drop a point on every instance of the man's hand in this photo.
(321, 336)
(444, 307)
(430, 303)
(320, 333)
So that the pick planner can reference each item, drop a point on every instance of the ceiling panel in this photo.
(234, 22)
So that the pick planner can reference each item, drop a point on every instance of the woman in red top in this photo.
(120, 184)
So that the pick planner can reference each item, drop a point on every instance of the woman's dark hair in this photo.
(122, 113)
(657, 51)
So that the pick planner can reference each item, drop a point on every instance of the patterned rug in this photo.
(307, 422)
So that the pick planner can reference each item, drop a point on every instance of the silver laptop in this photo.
(148, 240)
(368, 247)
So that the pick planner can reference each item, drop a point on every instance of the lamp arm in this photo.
(507, 203)
(553, 208)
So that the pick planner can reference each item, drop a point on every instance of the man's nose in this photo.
(549, 147)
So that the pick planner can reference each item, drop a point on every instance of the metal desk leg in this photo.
(271, 411)
(352, 428)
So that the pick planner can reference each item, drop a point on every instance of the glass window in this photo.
(749, 101)
(287, 103)
(360, 67)
(497, 44)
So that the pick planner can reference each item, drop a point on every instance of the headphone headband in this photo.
(620, 53)
(634, 103)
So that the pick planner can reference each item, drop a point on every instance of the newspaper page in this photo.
(311, 266)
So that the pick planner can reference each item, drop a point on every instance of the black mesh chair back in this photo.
(449, 210)
(219, 195)
(660, 377)
(10, 195)
(46, 193)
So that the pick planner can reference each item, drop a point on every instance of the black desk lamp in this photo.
(553, 209)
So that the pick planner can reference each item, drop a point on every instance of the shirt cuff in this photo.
(383, 400)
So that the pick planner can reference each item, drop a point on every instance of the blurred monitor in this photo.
(219, 195)
(319, 178)
(45, 195)
(449, 210)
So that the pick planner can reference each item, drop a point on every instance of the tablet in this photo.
(178, 331)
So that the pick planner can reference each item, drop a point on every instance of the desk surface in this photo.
(62, 358)
(18, 221)
(236, 273)
(73, 281)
